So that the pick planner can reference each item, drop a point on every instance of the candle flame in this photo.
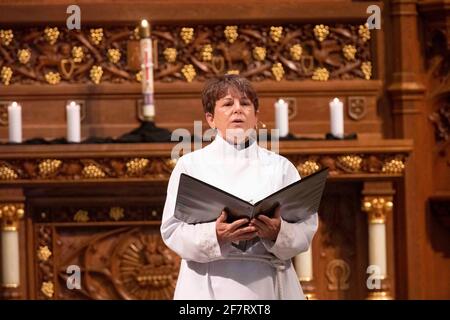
(14, 104)
(144, 23)
(144, 29)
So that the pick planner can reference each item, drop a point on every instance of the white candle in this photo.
(10, 258)
(337, 118)
(282, 117)
(73, 122)
(147, 70)
(15, 122)
(377, 247)
(304, 265)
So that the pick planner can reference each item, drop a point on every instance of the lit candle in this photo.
(15, 122)
(147, 70)
(337, 118)
(282, 117)
(304, 265)
(73, 122)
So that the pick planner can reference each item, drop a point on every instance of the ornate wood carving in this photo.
(161, 167)
(97, 213)
(441, 122)
(96, 55)
(86, 169)
(357, 108)
(338, 274)
(10, 215)
(347, 164)
(119, 263)
(45, 262)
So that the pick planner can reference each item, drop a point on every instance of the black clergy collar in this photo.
(239, 146)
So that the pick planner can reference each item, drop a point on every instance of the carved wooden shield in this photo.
(357, 108)
(67, 66)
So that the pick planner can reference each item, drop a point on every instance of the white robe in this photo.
(205, 272)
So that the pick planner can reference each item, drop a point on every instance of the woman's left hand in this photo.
(268, 228)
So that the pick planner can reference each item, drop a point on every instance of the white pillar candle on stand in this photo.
(337, 118)
(10, 258)
(282, 117)
(377, 246)
(304, 265)
(73, 122)
(15, 122)
(147, 70)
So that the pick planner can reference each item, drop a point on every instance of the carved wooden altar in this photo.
(99, 207)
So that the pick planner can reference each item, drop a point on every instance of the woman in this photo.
(212, 267)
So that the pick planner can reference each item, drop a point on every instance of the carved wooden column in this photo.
(377, 202)
(409, 121)
(10, 214)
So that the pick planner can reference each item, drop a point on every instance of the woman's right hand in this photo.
(231, 232)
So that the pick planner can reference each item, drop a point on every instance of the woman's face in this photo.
(234, 114)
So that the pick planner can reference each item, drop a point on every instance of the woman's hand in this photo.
(267, 228)
(230, 232)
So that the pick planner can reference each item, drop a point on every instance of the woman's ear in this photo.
(210, 118)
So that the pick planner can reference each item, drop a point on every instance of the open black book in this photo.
(199, 202)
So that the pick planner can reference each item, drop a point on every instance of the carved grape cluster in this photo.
(366, 68)
(138, 76)
(351, 162)
(231, 33)
(349, 52)
(92, 171)
(6, 36)
(187, 34)
(51, 35)
(77, 54)
(170, 54)
(259, 53)
(207, 52)
(96, 74)
(7, 173)
(296, 52)
(52, 77)
(6, 75)
(24, 55)
(276, 33)
(136, 166)
(321, 32)
(320, 74)
(49, 166)
(114, 55)
(364, 32)
(97, 35)
(188, 72)
(308, 167)
(278, 71)
(393, 166)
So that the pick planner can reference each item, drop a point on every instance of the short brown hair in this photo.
(217, 88)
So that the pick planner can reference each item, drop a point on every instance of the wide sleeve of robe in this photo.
(293, 238)
(191, 242)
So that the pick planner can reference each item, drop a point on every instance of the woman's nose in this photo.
(237, 108)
